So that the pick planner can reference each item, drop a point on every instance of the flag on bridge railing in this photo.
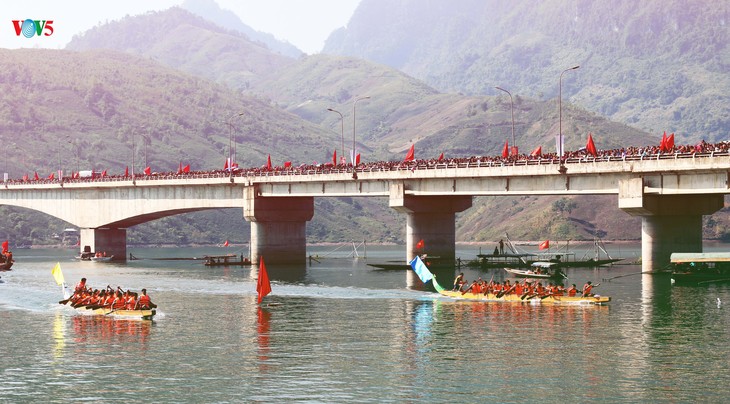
(334, 157)
(505, 149)
(663, 142)
(126, 171)
(537, 152)
(186, 169)
(441, 156)
(670, 143)
(591, 147)
(147, 171)
(268, 162)
(411, 155)
(545, 245)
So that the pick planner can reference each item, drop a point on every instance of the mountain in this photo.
(656, 65)
(209, 10)
(178, 38)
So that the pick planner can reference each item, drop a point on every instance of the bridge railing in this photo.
(471, 162)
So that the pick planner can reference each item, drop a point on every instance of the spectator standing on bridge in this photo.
(501, 247)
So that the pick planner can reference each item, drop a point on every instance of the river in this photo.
(339, 331)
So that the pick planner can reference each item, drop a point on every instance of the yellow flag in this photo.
(57, 274)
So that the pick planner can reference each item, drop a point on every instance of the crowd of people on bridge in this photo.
(701, 148)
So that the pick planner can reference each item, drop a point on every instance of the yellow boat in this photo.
(141, 314)
(426, 276)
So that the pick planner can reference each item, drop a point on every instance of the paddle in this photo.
(504, 292)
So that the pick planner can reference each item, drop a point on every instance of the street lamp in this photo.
(512, 108)
(147, 140)
(560, 114)
(230, 138)
(342, 130)
(353, 127)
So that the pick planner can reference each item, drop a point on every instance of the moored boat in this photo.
(426, 276)
(103, 258)
(540, 270)
(700, 268)
(225, 260)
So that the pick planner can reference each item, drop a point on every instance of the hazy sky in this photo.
(304, 23)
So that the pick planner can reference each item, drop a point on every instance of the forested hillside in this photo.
(656, 65)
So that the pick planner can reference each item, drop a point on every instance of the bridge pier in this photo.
(278, 227)
(669, 223)
(113, 241)
(431, 219)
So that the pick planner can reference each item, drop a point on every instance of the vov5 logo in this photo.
(29, 27)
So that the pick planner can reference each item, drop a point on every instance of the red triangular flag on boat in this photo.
(545, 245)
(126, 171)
(334, 157)
(669, 145)
(186, 169)
(537, 152)
(147, 171)
(225, 244)
(268, 162)
(441, 156)
(505, 150)
(411, 155)
(263, 286)
(420, 244)
(590, 146)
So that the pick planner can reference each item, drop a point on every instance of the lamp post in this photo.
(230, 143)
(147, 140)
(560, 115)
(512, 108)
(342, 129)
(353, 126)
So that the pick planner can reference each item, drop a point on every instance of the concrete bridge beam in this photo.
(431, 219)
(669, 223)
(112, 241)
(278, 226)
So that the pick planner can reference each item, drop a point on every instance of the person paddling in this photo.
(588, 288)
(144, 302)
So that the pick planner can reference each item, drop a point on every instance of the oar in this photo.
(504, 292)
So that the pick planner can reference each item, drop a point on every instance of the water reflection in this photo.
(263, 328)
(282, 273)
(106, 329)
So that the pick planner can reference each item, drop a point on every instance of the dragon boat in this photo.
(426, 276)
(105, 311)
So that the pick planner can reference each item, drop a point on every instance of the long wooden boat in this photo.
(225, 260)
(140, 314)
(426, 276)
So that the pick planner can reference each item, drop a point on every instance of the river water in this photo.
(339, 331)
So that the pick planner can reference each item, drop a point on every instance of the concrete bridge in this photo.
(670, 193)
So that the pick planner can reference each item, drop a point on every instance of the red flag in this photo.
(126, 171)
(225, 166)
(545, 245)
(103, 173)
(663, 143)
(505, 150)
(225, 244)
(147, 171)
(6, 244)
(268, 163)
(411, 155)
(287, 164)
(669, 145)
(537, 152)
(25, 177)
(334, 157)
(357, 159)
(51, 176)
(179, 168)
(590, 147)
(420, 244)
(263, 286)
(36, 176)
(186, 169)
(441, 156)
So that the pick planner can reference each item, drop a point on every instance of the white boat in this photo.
(102, 259)
(539, 269)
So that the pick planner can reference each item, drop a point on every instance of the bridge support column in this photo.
(431, 219)
(669, 223)
(109, 240)
(278, 227)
